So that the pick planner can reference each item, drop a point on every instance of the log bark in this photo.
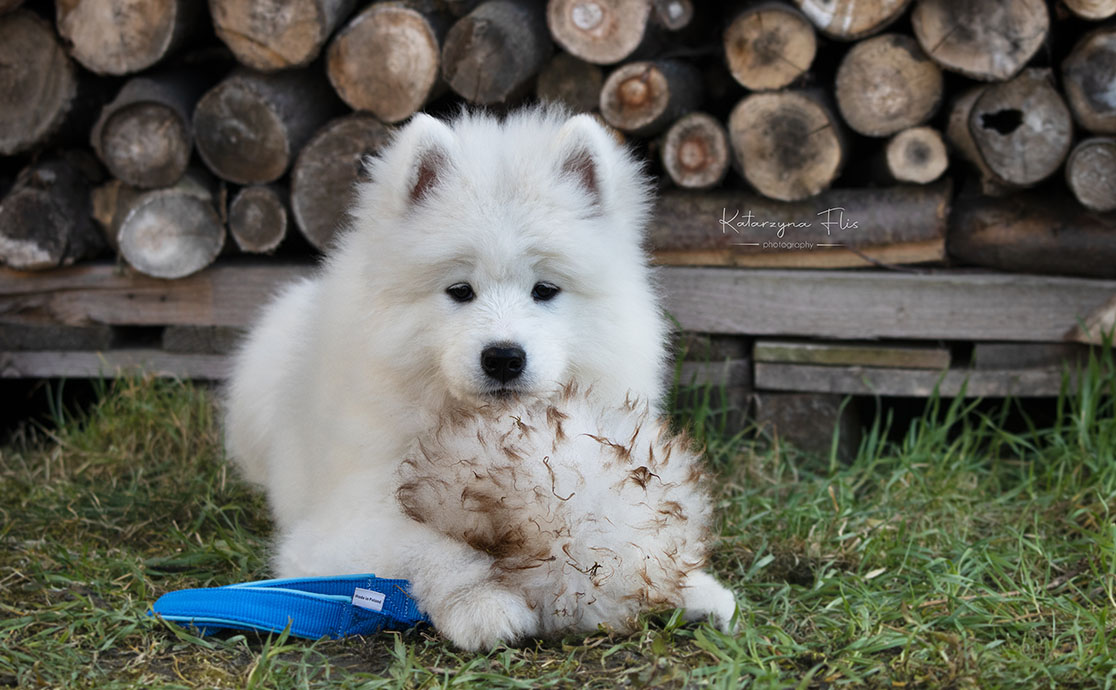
(37, 82)
(258, 218)
(959, 135)
(916, 155)
(769, 46)
(1091, 173)
(388, 59)
(45, 220)
(1088, 74)
(1022, 128)
(1026, 234)
(491, 54)
(271, 35)
(603, 32)
(1092, 9)
(695, 151)
(144, 136)
(250, 126)
(111, 202)
(644, 98)
(886, 84)
(837, 229)
(173, 232)
(125, 36)
(571, 81)
(324, 174)
(787, 144)
(848, 20)
(989, 40)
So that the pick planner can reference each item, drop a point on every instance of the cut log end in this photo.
(769, 46)
(917, 155)
(145, 145)
(674, 15)
(1091, 173)
(695, 151)
(258, 218)
(37, 82)
(989, 40)
(603, 32)
(271, 35)
(491, 54)
(1094, 10)
(172, 233)
(386, 61)
(886, 84)
(788, 144)
(327, 168)
(123, 36)
(571, 81)
(1088, 75)
(46, 219)
(643, 98)
(848, 20)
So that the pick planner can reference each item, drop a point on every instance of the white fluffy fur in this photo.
(595, 512)
(346, 369)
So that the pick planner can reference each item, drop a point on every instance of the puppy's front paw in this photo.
(704, 597)
(478, 618)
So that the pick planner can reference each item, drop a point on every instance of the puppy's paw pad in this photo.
(481, 617)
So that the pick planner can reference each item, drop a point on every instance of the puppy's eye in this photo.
(461, 292)
(544, 292)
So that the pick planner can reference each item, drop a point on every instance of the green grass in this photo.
(961, 556)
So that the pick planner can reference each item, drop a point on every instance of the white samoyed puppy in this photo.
(486, 258)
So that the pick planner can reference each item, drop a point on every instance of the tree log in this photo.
(37, 82)
(838, 228)
(1088, 75)
(1092, 9)
(324, 175)
(569, 80)
(270, 35)
(173, 232)
(603, 32)
(961, 138)
(847, 20)
(1091, 173)
(387, 60)
(989, 40)
(769, 46)
(111, 202)
(45, 220)
(258, 218)
(644, 98)
(144, 136)
(9, 5)
(886, 84)
(916, 155)
(1022, 128)
(1026, 234)
(788, 144)
(695, 151)
(250, 126)
(674, 15)
(491, 54)
(125, 36)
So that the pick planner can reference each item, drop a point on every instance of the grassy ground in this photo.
(960, 556)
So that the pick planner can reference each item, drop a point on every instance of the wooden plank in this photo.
(110, 363)
(918, 383)
(732, 373)
(849, 305)
(836, 229)
(207, 340)
(1027, 355)
(846, 353)
(55, 337)
(861, 305)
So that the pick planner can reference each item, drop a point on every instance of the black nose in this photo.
(502, 362)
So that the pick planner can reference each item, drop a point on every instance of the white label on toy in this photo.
(368, 599)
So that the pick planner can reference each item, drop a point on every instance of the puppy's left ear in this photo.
(583, 145)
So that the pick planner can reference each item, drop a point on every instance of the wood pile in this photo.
(902, 136)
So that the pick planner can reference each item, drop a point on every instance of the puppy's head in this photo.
(498, 247)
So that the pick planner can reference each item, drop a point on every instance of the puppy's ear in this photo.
(429, 143)
(582, 145)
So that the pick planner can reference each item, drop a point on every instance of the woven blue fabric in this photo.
(313, 607)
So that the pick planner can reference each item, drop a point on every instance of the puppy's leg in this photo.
(703, 596)
(452, 582)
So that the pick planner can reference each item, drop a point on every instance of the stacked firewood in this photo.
(154, 128)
